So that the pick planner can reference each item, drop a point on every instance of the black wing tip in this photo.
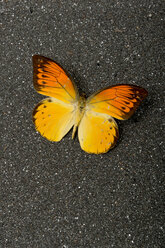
(37, 57)
(141, 93)
(139, 90)
(145, 93)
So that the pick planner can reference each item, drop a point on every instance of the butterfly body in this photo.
(65, 108)
(79, 112)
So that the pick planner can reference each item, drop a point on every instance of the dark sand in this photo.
(55, 194)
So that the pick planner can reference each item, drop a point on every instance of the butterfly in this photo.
(65, 108)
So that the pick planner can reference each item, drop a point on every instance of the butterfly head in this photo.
(83, 95)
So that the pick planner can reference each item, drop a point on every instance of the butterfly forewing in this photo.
(119, 101)
(50, 79)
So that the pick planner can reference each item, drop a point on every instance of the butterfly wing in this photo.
(50, 79)
(53, 119)
(119, 101)
(98, 131)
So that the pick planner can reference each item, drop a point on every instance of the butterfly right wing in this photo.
(119, 101)
(97, 132)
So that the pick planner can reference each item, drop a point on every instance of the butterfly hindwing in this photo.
(53, 119)
(119, 101)
(97, 132)
(50, 79)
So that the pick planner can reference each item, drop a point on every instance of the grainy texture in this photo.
(54, 194)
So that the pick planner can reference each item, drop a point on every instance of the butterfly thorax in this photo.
(81, 104)
(80, 109)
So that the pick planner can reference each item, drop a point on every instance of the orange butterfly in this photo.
(65, 108)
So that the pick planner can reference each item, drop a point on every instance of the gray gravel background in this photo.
(54, 194)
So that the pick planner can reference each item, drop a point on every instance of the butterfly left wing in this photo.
(50, 79)
(53, 119)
